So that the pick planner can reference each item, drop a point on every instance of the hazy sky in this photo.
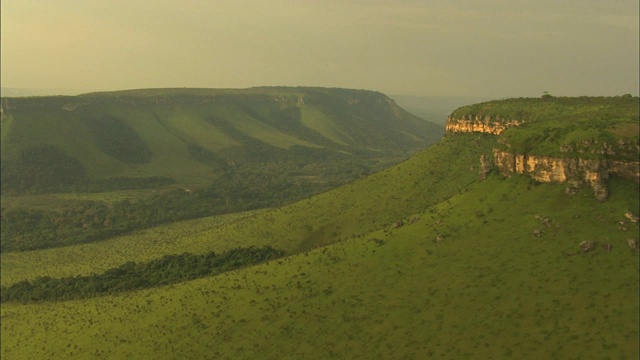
(430, 47)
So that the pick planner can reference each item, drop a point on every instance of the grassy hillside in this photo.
(345, 212)
(191, 136)
(421, 260)
(206, 152)
(489, 288)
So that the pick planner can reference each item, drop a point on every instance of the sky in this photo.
(501, 48)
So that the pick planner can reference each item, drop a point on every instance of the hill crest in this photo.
(582, 140)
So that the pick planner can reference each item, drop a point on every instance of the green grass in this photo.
(170, 153)
(462, 275)
(354, 209)
(7, 124)
(488, 290)
(60, 201)
(146, 133)
(322, 123)
(259, 130)
(191, 127)
(196, 236)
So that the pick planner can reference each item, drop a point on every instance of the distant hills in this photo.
(146, 138)
(185, 153)
(431, 108)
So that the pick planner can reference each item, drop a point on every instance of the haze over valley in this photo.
(319, 180)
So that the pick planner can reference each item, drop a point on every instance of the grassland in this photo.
(185, 236)
(421, 260)
(348, 211)
(488, 289)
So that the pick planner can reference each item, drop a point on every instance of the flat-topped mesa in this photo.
(580, 141)
(482, 124)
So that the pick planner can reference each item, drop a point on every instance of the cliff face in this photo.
(593, 173)
(572, 169)
(485, 124)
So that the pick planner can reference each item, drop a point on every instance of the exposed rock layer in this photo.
(485, 124)
(593, 173)
(574, 170)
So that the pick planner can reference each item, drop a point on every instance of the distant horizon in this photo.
(7, 91)
(78, 91)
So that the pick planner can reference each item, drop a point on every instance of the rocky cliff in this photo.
(577, 172)
(483, 124)
(580, 164)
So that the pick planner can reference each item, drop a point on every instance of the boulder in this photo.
(631, 216)
(586, 245)
(600, 191)
(571, 191)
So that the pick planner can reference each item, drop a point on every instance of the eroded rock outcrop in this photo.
(631, 216)
(486, 124)
(594, 173)
(580, 141)
(486, 164)
(575, 168)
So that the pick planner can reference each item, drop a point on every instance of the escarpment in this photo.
(561, 140)
(483, 124)
(578, 172)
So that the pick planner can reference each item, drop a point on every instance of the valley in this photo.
(442, 255)
(178, 154)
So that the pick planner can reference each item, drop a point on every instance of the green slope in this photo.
(422, 260)
(145, 133)
(236, 149)
(489, 289)
(348, 211)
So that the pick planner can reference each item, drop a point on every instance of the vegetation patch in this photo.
(117, 139)
(42, 168)
(124, 183)
(169, 269)
(241, 189)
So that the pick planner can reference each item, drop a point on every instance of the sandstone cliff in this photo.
(483, 124)
(579, 165)
(591, 172)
